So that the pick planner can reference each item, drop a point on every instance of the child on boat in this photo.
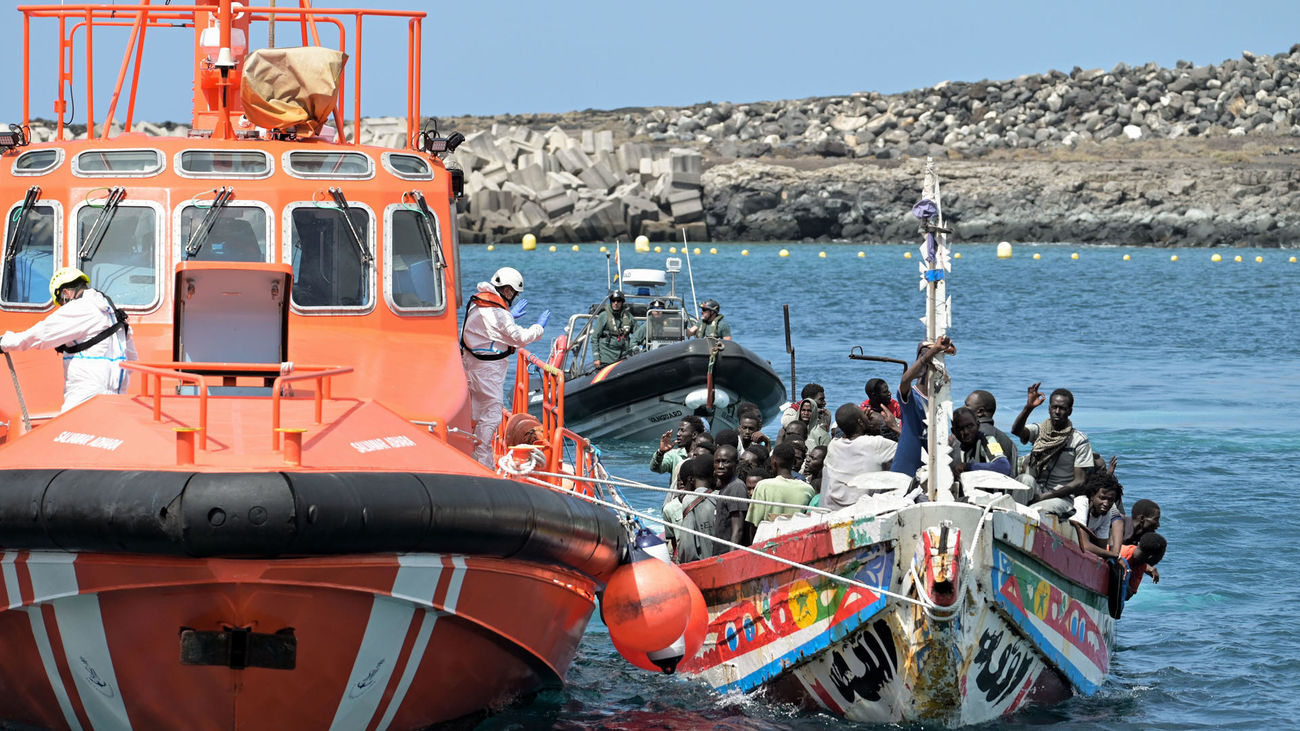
(1142, 559)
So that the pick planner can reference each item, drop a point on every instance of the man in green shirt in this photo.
(672, 450)
(612, 331)
(783, 488)
(711, 324)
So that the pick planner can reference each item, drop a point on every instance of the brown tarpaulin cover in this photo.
(284, 88)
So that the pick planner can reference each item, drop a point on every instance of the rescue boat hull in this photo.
(1025, 622)
(93, 640)
(641, 396)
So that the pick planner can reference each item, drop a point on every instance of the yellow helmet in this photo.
(64, 277)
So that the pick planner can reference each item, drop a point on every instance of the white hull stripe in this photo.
(51, 668)
(415, 585)
(9, 573)
(427, 621)
(81, 629)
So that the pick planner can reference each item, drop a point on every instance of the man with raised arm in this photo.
(488, 337)
(1057, 467)
(913, 400)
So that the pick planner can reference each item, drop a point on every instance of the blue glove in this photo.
(545, 318)
(518, 308)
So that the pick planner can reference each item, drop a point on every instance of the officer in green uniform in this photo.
(613, 331)
(711, 323)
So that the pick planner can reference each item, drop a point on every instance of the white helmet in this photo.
(508, 276)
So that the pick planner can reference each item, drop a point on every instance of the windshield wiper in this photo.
(345, 209)
(91, 243)
(20, 221)
(432, 240)
(199, 235)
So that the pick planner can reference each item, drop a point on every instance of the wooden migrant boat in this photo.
(279, 524)
(948, 611)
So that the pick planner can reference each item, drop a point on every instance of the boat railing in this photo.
(141, 17)
(559, 450)
(197, 374)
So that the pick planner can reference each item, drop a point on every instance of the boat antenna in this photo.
(789, 347)
(609, 282)
(690, 274)
(935, 264)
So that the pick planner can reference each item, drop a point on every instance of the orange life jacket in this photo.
(485, 299)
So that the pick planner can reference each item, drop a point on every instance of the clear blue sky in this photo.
(490, 57)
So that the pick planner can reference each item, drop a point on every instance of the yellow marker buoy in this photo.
(604, 249)
(783, 253)
(1038, 256)
(1216, 257)
(1259, 260)
(696, 251)
(821, 255)
(659, 249)
(575, 247)
(907, 255)
(1074, 255)
(1292, 260)
(1173, 257)
(491, 247)
(956, 255)
(642, 244)
(1004, 250)
(551, 247)
(713, 249)
(1237, 258)
(862, 254)
(1127, 257)
(744, 252)
(529, 243)
(672, 250)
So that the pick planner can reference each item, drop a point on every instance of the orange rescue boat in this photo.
(279, 524)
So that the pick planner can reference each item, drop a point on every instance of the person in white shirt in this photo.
(90, 333)
(856, 452)
(488, 338)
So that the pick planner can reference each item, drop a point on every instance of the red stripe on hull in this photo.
(25, 693)
(47, 617)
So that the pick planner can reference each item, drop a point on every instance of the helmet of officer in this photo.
(710, 305)
(64, 277)
(508, 277)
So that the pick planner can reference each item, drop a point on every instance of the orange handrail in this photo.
(160, 373)
(555, 434)
(148, 15)
(320, 374)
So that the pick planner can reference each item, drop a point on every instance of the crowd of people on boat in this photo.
(813, 461)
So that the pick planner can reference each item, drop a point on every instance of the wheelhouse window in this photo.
(408, 167)
(37, 162)
(29, 255)
(237, 233)
(123, 264)
(118, 163)
(414, 282)
(338, 165)
(329, 257)
(224, 163)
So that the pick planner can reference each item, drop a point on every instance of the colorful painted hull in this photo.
(1019, 618)
(400, 641)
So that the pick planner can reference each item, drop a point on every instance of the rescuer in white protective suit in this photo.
(90, 333)
(490, 336)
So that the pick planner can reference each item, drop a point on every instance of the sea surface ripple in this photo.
(1188, 370)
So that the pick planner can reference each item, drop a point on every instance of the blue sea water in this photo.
(1188, 370)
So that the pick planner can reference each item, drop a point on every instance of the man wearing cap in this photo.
(488, 338)
(712, 324)
(88, 331)
(613, 331)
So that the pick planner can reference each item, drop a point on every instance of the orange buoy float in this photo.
(684, 648)
(647, 604)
